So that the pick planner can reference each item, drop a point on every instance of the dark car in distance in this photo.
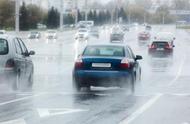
(161, 48)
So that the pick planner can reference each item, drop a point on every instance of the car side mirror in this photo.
(138, 57)
(31, 53)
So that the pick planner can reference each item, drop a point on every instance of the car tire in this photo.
(131, 82)
(76, 85)
(140, 76)
(15, 85)
(30, 82)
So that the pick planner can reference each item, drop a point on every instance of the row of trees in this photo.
(31, 15)
(6, 13)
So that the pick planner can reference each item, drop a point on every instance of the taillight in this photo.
(10, 63)
(124, 63)
(79, 63)
(152, 46)
(167, 46)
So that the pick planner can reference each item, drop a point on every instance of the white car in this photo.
(34, 35)
(94, 32)
(51, 34)
(82, 34)
(2, 32)
(117, 34)
(16, 66)
(117, 29)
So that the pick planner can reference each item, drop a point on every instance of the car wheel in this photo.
(131, 82)
(140, 76)
(16, 83)
(30, 82)
(76, 85)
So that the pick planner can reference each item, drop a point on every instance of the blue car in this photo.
(106, 65)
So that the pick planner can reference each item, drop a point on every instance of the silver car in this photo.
(34, 35)
(16, 66)
(51, 34)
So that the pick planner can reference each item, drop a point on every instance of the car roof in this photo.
(108, 44)
(161, 41)
(8, 38)
(5, 36)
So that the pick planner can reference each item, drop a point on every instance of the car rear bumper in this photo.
(82, 38)
(116, 38)
(100, 78)
(160, 53)
(143, 38)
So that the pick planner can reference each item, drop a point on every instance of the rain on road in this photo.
(162, 97)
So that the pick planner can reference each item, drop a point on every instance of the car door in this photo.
(28, 61)
(19, 59)
(136, 66)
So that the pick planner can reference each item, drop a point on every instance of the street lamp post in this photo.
(61, 15)
(86, 10)
(76, 12)
(144, 18)
(17, 6)
(129, 17)
(112, 16)
(163, 19)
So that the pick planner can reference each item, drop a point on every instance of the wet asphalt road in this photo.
(162, 97)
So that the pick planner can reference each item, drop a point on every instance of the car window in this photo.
(131, 53)
(3, 47)
(160, 44)
(17, 46)
(117, 51)
(23, 47)
(82, 30)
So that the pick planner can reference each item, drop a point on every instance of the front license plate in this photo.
(101, 65)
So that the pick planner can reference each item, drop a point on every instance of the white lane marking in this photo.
(179, 71)
(154, 99)
(179, 94)
(141, 110)
(17, 121)
(45, 112)
(185, 123)
(19, 99)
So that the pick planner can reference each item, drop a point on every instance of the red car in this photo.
(144, 36)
